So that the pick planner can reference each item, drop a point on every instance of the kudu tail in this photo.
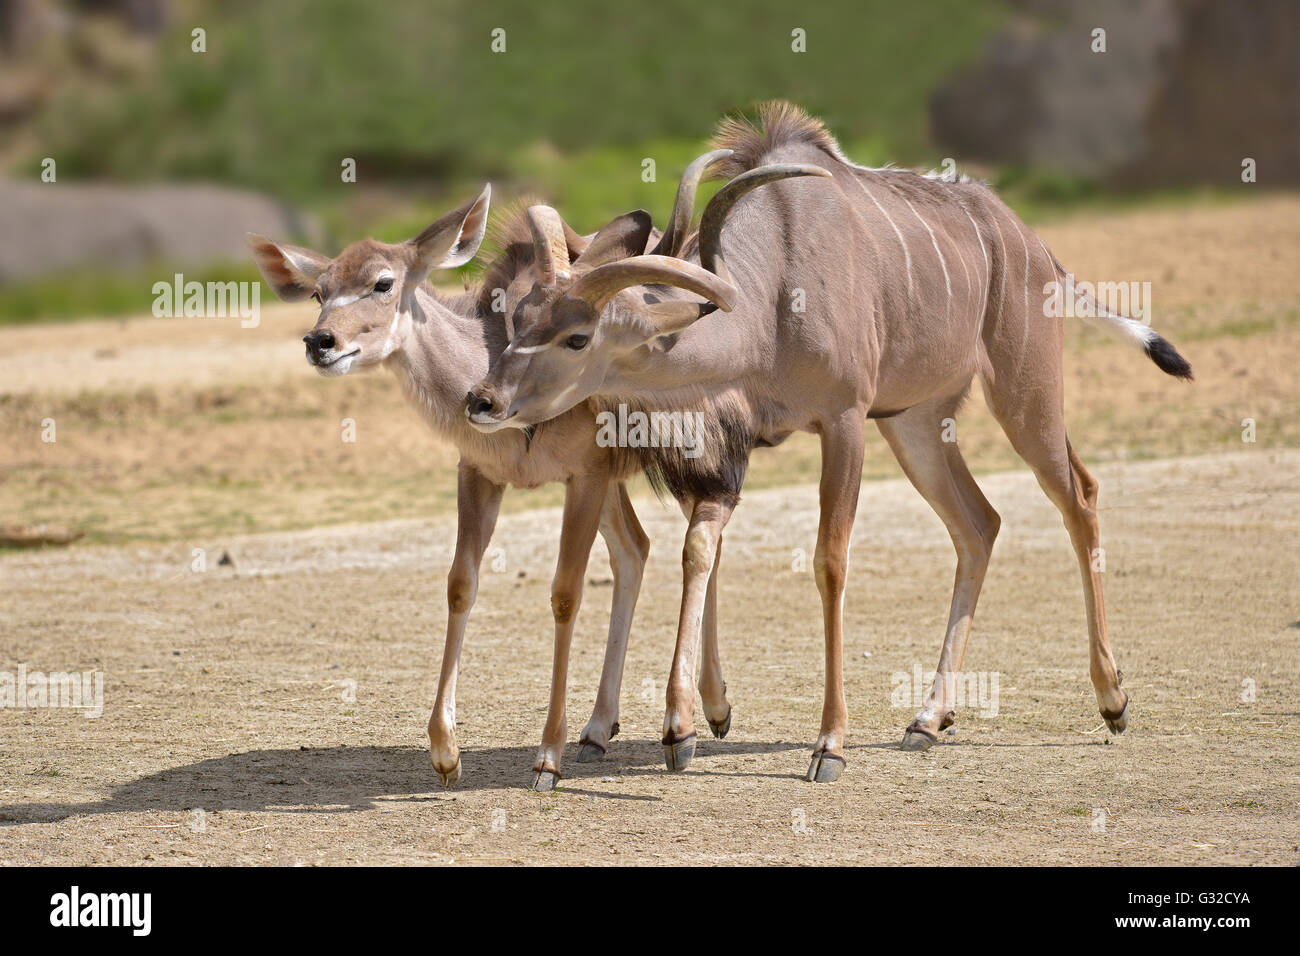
(1137, 334)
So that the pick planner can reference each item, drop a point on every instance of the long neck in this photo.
(718, 349)
(447, 350)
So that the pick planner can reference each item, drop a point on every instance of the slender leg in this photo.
(1034, 421)
(842, 445)
(477, 502)
(703, 537)
(1025, 391)
(583, 503)
(628, 550)
(713, 689)
(938, 471)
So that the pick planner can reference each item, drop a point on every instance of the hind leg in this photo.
(1033, 418)
(938, 471)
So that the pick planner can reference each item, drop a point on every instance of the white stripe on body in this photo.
(934, 242)
(907, 256)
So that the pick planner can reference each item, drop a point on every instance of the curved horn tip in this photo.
(783, 171)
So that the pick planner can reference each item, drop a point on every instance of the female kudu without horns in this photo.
(377, 308)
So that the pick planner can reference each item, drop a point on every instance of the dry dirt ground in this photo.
(230, 733)
(224, 693)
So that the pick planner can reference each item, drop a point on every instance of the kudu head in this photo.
(367, 292)
(580, 318)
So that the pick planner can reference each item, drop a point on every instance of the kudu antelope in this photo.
(377, 308)
(910, 288)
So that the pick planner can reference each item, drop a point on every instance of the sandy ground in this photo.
(224, 693)
(230, 732)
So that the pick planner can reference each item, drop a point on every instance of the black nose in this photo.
(319, 341)
(479, 404)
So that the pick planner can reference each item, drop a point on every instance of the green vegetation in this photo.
(413, 91)
(78, 293)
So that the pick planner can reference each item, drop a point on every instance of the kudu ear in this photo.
(575, 243)
(290, 271)
(624, 236)
(454, 239)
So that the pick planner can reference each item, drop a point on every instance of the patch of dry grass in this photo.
(227, 431)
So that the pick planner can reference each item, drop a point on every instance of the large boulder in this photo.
(1184, 92)
(53, 226)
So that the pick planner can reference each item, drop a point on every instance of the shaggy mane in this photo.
(508, 247)
(782, 123)
(779, 123)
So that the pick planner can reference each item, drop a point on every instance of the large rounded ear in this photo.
(576, 244)
(454, 239)
(625, 236)
(290, 271)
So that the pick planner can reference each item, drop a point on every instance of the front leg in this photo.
(583, 499)
(699, 555)
(842, 445)
(713, 689)
(478, 502)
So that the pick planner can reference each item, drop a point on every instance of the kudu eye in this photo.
(577, 342)
(316, 296)
(384, 285)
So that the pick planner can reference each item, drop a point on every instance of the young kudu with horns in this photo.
(861, 294)
(377, 308)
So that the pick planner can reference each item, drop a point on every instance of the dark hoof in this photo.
(677, 756)
(589, 752)
(918, 738)
(720, 730)
(825, 768)
(544, 781)
(1117, 722)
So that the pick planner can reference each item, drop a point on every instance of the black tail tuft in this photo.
(1167, 358)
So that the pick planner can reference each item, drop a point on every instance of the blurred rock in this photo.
(52, 226)
(35, 535)
(1185, 90)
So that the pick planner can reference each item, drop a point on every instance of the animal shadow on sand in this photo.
(349, 778)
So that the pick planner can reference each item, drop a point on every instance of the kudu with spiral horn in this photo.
(708, 488)
(880, 295)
